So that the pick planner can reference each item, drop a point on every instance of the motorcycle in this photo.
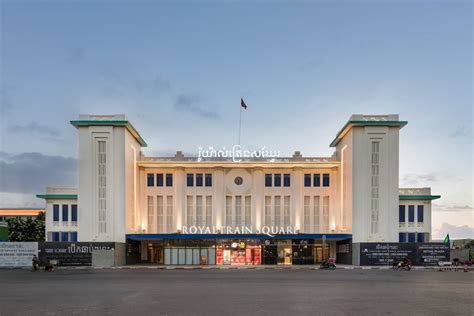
(328, 264)
(403, 265)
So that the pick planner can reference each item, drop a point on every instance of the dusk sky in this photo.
(178, 69)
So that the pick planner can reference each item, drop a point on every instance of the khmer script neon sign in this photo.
(236, 153)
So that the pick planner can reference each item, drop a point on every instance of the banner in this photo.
(71, 253)
(17, 254)
(424, 254)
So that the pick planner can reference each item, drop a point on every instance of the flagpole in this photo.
(240, 122)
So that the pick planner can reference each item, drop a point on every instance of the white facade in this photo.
(361, 199)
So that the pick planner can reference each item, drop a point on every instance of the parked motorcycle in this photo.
(403, 265)
(328, 264)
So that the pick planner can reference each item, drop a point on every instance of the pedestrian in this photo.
(35, 262)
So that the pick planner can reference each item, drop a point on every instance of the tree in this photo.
(26, 230)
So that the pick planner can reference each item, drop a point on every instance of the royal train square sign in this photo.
(420, 254)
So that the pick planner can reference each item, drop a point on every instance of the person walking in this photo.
(35, 262)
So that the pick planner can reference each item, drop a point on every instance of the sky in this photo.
(178, 69)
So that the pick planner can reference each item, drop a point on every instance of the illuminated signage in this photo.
(266, 230)
(236, 153)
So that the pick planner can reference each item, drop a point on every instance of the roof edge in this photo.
(419, 197)
(57, 196)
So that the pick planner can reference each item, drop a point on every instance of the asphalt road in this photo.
(235, 292)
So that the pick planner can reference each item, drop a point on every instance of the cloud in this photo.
(18, 200)
(33, 172)
(413, 179)
(34, 128)
(451, 208)
(187, 103)
(461, 131)
(455, 232)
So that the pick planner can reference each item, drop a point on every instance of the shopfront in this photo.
(235, 250)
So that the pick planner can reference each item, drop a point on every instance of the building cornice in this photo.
(353, 123)
(419, 197)
(243, 164)
(115, 123)
(57, 196)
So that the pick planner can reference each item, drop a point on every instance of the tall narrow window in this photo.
(73, 236)
(307, 180)
(209, 210)
(74, 213)
(64, 236)
(411, 237)
(411, 213)
(268, 180)
(228, 210)
(286, 211)
(238, 211)
(151, 214)
(286, 180)
(277, 210)
(159, 179)
(150, 179)
(208, 180)
(326, 213)
(199, 179)
(169, 213)
(316, 180)
(169, 179)
(374, 205)
(277, 180)
(55, 236)
(248, 211)
(190, 180)
(401, 213)
(268, 210)
(420, 237)
(55, 213)
(316, 221)
(199, 210)
(189, 210)
(306, 219)
(65, 212)
(159, 214)
(420, 215)
(325, 179)
(402, 237)
(102, 185)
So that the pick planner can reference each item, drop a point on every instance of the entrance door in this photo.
(284, 252)
(156, 254)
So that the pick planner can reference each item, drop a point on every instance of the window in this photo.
(169, 179)
(208, 180)
(199, 179)
(277, 209)
(238, 210)
(420, 237)
(248, 211)
(74, 212)
(268, 210)
(189, 211)
(159, 214)
(277, 180)
(306, 214)
(286, 211)
(411, 213)
(268, 180)
(402, 237)
(326, 213)
(55, 236)
(64, 236)
(150, 213)
(317, 180)
(169, 213)
(209, 210)
(316, 221)
(374, 202)
(401, 213)
(150, 179)
(190, 180)
(286, 180)
(159, 179)
(199, 209)
(307, 180)
(65, 213)
(56, 213)
(420, 214)
(411, 237)
(73, 236)
(102, 186)
(228, 210)
(325, 179)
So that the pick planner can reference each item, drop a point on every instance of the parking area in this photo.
(235, 292)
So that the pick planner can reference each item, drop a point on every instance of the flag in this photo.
(242, 104)
(446, 239)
